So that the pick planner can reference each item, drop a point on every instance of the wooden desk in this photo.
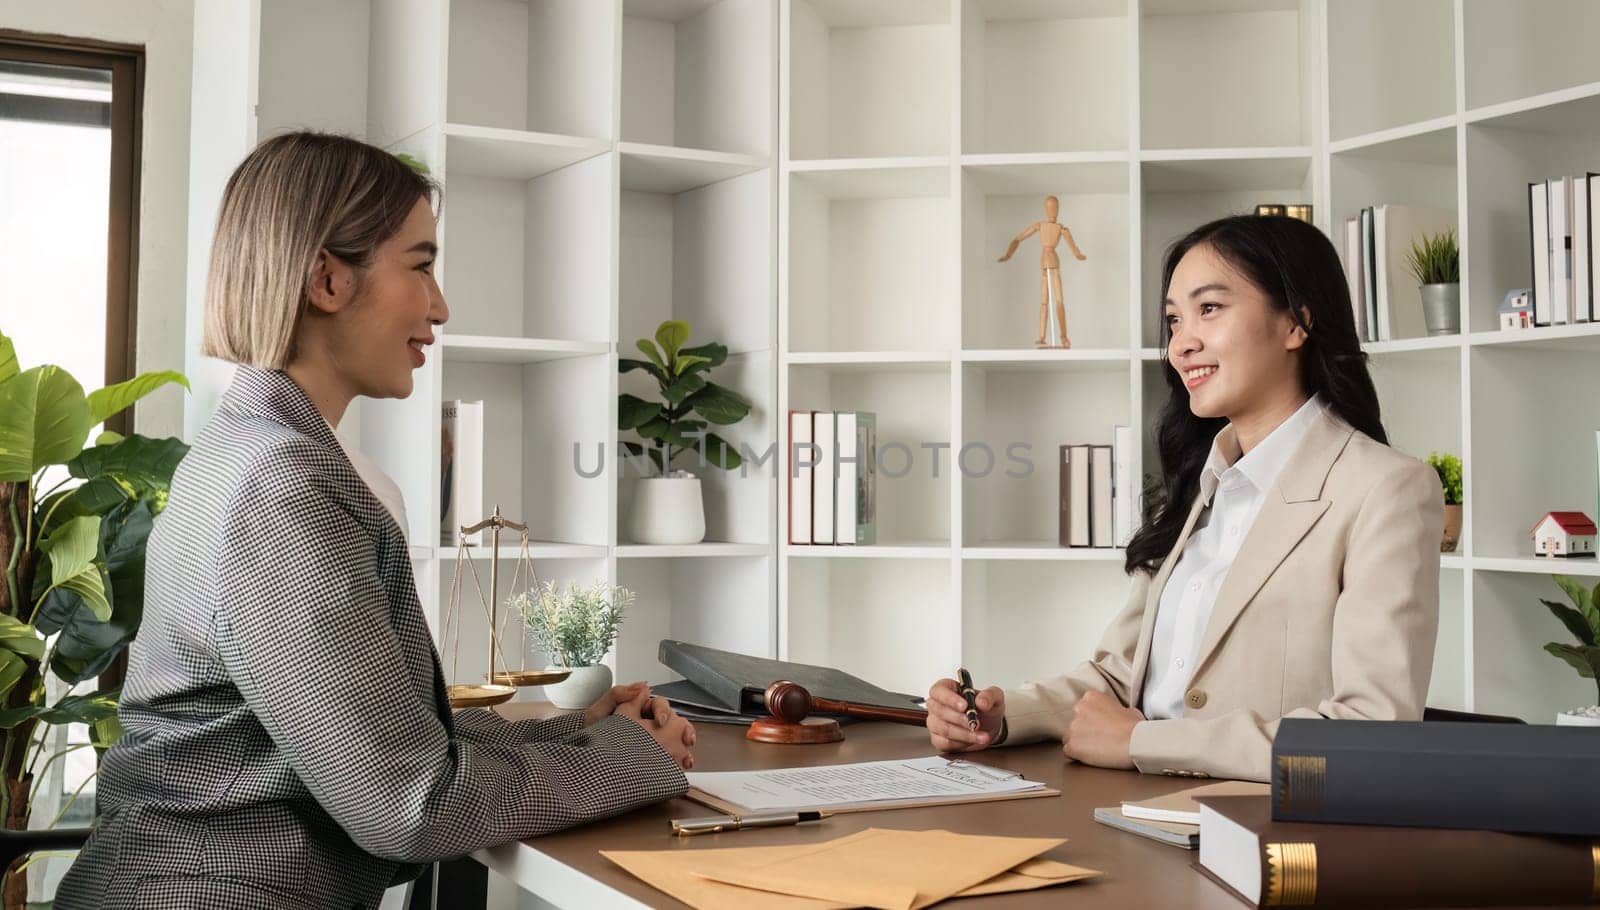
(567, 869)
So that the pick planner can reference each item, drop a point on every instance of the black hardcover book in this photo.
(1528, 778)
(735, 682)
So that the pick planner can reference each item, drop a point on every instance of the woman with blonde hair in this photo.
(288, 742)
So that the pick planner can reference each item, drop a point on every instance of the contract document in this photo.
(861, 786)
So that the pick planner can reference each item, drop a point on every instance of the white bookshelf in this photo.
(1148, 117)
(824, 185)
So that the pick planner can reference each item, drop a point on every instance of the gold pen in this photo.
(711, 824)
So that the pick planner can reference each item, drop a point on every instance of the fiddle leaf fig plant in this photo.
(1582, 619)
(74, 553)
(689, 402)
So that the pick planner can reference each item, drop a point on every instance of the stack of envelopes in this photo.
(885, 869)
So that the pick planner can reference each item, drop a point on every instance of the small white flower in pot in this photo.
(576, 626)
(1582, 619)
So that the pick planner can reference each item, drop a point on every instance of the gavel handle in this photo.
(869, 712)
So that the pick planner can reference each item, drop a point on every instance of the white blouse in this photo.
(1233, 489)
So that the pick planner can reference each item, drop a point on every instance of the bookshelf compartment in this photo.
(1447, 687)
(1514, 50)
(544, 426)
(1511, 672)
(912, 404)
(738, 503)
(1179, 196)
(1419, 396)
(1017, 616)
(1000, 300)
(1014, 420)
(1389, 63)
(307, 46)
(544, 66)
(888, 621)
(1416, 170)
(721, 605)
(1225, 75)
(531, 258)
(1530, 457)
(869, 80)
(467, 643)
(1078, 54)
(869, 261)
(698, 74)
(1503, 155)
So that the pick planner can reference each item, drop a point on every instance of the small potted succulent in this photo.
(1448, 468)
(1436, 263)
(668, 508)
(1582, 619)
(575, 626)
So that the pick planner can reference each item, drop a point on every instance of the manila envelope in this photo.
(888, 869)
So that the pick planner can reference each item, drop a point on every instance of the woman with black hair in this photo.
(1288, 564)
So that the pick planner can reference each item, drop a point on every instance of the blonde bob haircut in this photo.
(293, 196)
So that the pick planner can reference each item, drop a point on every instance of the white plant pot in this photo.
(667, 510)
(1568, 719)
(581, 689)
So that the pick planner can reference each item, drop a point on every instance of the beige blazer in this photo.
(1330, 610)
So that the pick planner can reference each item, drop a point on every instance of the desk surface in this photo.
(1137, 872)
(567, 869)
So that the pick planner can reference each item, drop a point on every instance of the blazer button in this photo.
(1195, 699)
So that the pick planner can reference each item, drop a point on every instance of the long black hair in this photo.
(1299, 272)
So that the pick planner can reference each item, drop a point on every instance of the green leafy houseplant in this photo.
(1582, 619)
(1436, 260)
(1448, 467)
(575, 625)
(689, 404)
(74, 555)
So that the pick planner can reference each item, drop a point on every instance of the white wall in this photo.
(166, 30)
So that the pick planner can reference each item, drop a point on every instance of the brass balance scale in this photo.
(500, 686)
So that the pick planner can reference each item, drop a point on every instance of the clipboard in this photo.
(732, 808)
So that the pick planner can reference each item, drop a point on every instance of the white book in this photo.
(1380, 246)
(1539, 229)
(1352, 274)
(822, 493)
(1123, 506)
(1369, 268)
(1560, 240)
(1582, 264)
(461, 464)
(848, 461)
(1101, 533)
(801, 461)
(1078, 498)
(1399, 226)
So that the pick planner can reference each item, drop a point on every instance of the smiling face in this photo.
(382, 318)
(1236, 353)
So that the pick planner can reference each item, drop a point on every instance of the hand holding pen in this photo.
(964, 723)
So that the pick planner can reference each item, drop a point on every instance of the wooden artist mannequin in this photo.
(1050, 233)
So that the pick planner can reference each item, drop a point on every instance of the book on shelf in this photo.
(1559, 196)
(1101, 532)
(1095, 494)
(1354, 274)
(1124, 508)
(823, 496)
(461, 470)
(1582, 250)
(1539, 251)
(1532, 778)
(858, 518)
(1266, 862)
(802, 458)
(1073, 528)
(1369, 272)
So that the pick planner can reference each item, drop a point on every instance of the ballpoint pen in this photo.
(964, 680)
(711, 824)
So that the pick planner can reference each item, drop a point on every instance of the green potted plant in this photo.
(74, 559)
(667, 507)
(1582, 619)
(1436, 263)
(576, 626)
(1448, 467)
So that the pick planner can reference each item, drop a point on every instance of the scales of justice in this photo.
(499, 686)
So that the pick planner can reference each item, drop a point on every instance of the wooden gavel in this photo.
(791, 721)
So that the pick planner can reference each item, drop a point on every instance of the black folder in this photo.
(735, 682)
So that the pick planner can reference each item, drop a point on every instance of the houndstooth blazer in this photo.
(288, 742)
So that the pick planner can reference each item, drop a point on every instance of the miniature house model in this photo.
(1564, 534)
(1516, 310)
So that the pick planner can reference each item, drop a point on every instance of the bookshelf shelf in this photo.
(824, 186)
(539, 549)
